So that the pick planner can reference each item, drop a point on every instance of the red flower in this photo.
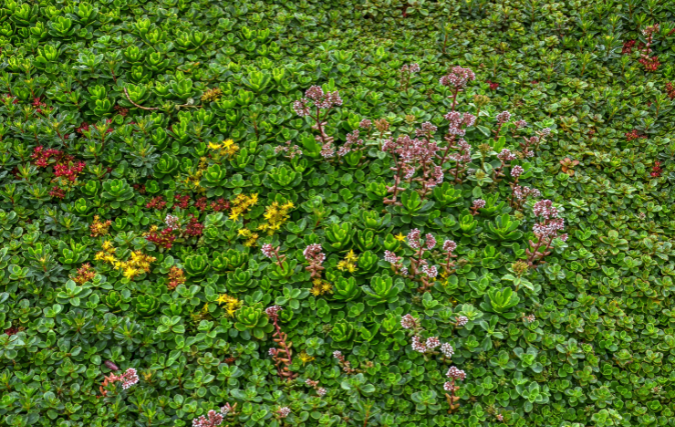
(656, 170)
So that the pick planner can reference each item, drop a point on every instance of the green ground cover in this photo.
(335, 213)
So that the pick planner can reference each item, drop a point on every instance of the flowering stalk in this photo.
(128, 378)
(315, 258)
(270, 251)
(283, 355)
(546, 230)
(344, 363)
(315, 385)
(454, 374)
(322, 101)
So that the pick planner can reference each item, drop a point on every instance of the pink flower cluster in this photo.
(411, 68)
(458, 78)
(320, 99)
(212, 419)
(455, 373)
(128, 378)
(273, 311)
(353, 142)
(267, 250)
(314, 253)
(459, 122)
(409, 322)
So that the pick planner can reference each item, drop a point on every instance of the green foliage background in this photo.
(600, 351)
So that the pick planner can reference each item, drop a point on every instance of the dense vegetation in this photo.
(337, 213)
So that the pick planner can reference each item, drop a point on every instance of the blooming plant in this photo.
(400, 184)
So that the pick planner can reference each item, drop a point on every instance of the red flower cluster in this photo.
(70, 171)
(194, 228)
(656, 170)
(42, 156)
(156, 203)
(218, 206)
(181, 202)
(138, 187)
(163, 239)
(634, 135)
(628, 47)
(493, 85)
(38, 104)
(57, 192)
(650, 64)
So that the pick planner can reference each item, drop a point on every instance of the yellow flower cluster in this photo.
(212, 95)
(231, 304)
(139, 263)
(276, 216)
(304, 357)
(242, 204)
(99, 228)
(227, 149)
(251, 236)
(321, 287)
(349, 263)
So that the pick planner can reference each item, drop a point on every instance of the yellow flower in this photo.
(213, 146)
(304, 357)
(351, 257)
(130, 272)
(349, 263)
(400, 237)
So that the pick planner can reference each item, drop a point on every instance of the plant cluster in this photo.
(393, 213)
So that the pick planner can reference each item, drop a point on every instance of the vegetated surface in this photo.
(302, 213)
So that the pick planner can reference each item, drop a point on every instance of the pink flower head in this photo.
(321, 391)
(458, 78)
(365, 124)
(448, 386)
(506, 155)
(521, 124)
(391, 257)
(226, 409)
(129, 378)
(479, 203)
(449, 246)
(284, 412)
(338, 355)
(212, 419)
(503, 117)
(414, 238)
(447, 350)
(313, 252)
(268, 250)
(432, 343)
(408, 322)
(545, 209)
(462, 320)
(273, 311)
(418, 345)
(455, 373)
(430, 241)
(431, 272)
(517, 171)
